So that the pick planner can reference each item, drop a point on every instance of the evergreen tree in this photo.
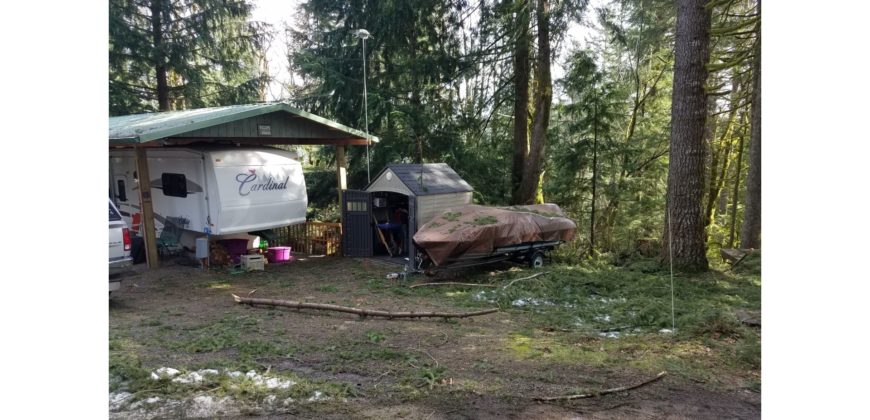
(180, 54)
(683, 237)
(750, 236)
(414, 63)
(532, 114)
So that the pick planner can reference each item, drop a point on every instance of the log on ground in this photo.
(358, 311)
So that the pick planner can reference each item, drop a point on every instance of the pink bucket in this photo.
(280, 254)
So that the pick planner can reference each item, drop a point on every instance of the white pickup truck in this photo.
(119, 247)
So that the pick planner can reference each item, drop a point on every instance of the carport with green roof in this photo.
(239, 125)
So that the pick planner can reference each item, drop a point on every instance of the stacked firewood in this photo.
(218, 255)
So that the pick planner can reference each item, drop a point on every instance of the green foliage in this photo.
(598, 297)
(329, 288)
(430, 376)
(751, 265)
(439, 78)
(716, 322)
(125, 367)
(375, 336)
(615, 127)
(209, 50)
(412, 59)
(749, 352)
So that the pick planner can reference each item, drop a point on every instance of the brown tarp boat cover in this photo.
(473, 230)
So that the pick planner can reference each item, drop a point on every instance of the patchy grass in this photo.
(573, 327)
(630, 300)
(613, 317)
(375, 336)
(328, 289)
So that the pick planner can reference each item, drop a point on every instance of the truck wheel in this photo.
(537, 260)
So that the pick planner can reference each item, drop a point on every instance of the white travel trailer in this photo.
(225, 191)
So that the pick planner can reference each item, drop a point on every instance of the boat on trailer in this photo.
(473, 235)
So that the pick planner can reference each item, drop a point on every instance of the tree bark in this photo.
(736, 195)
(159, 55)
(594, 179)
(684, 219)
(521, 98)
(416, 103)
(750, 234)
(717, 171)
(711, 154)
(532, 169)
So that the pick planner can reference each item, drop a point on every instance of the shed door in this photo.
(412, 229)
(356, 239)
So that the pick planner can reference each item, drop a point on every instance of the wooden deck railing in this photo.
(312, 238)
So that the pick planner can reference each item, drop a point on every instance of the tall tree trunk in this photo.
(594, 178)
(684, 220)
(736, 195)
(416, 102)
(750, 234)
(159, 55)
(532, 170)
(711, 153)
(521, 97)
(722, 158)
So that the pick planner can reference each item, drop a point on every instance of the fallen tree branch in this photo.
(605, 392)
(357, 311)
(524, 278)
(451, 283)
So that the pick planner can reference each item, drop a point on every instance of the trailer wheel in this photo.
(537, 260)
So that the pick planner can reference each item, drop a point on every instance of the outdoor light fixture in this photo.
(364, 35)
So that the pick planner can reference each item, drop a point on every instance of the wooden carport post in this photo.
(147, 208)
(341, 174)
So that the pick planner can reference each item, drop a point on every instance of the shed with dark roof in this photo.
(436, 185)
(423, 190)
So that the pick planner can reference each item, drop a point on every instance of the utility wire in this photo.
(671, 258)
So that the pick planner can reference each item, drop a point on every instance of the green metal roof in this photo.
(143, 128)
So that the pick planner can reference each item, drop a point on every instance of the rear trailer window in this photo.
(113, 214)
(122, 191)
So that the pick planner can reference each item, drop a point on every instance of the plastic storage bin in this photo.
(235, 248)
(280, 254)
(253, 262)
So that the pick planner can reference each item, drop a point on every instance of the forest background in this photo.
(814, 74)
(470, 83)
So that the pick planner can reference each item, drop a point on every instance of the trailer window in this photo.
(174, 185)
(121, 194)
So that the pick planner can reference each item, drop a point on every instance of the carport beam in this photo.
(341, 174)
(147, 208)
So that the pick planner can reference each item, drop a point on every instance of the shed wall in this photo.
(430, 206)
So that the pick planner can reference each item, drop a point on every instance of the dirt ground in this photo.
(485, 367)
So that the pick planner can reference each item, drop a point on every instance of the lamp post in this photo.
(364, 35)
